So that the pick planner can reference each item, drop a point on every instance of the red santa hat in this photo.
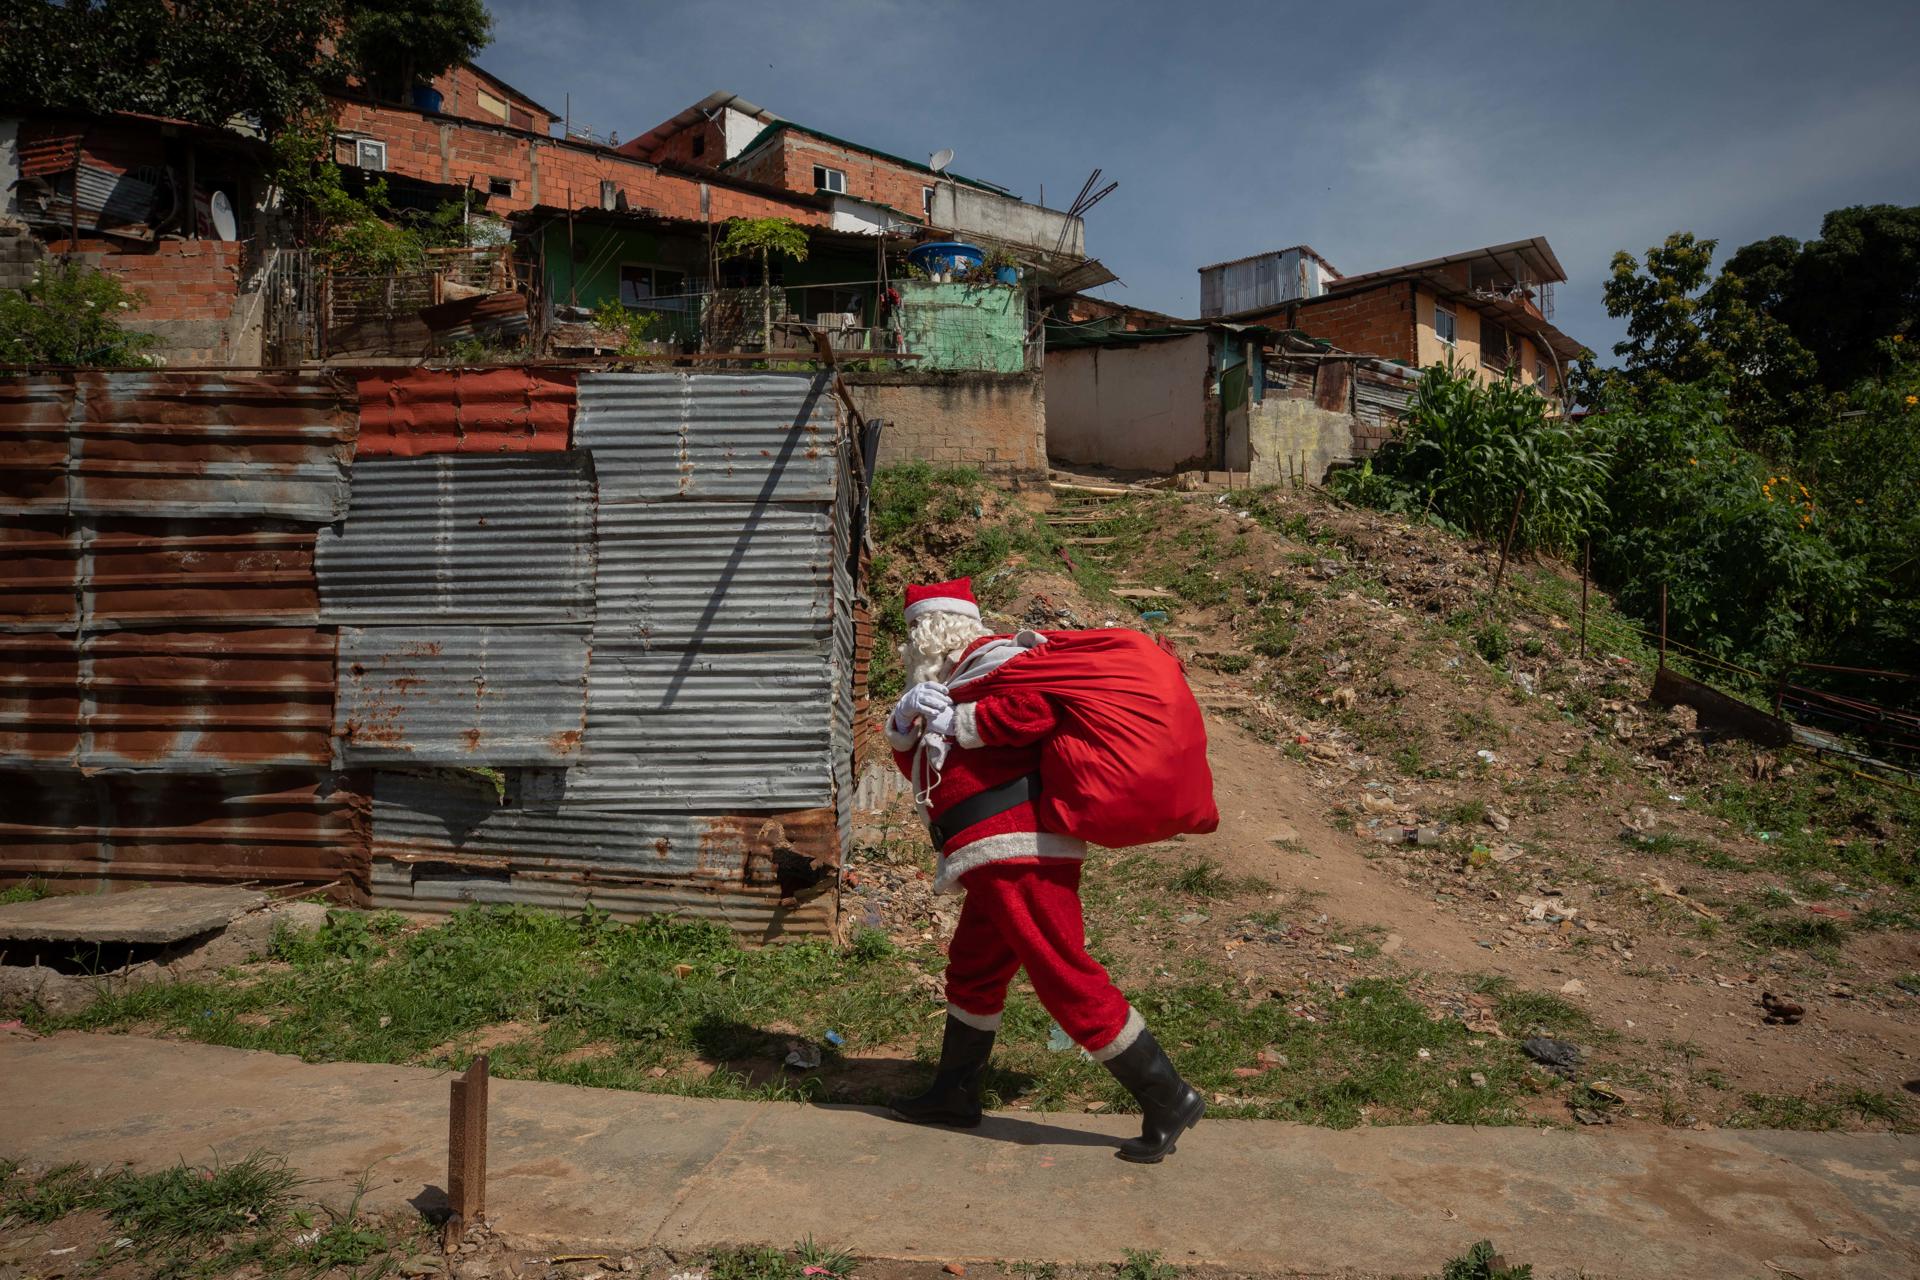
(942, 597)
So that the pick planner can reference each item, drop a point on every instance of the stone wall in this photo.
(997, 422)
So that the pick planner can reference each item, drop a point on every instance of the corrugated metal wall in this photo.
(166, 688)
(552, 652)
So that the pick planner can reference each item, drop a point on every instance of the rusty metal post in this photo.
(467, 1151)
(1663, 626)
(1586, 575)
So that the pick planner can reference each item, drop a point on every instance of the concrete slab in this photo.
(590, 1167)
(161, 915)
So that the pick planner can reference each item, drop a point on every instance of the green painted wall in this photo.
(964, 326)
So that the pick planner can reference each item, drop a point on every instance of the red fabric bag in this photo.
(1128, 766)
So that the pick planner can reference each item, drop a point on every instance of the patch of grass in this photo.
(753, 1264)
(1829, 1108)
(1232, 663)
(55, 1194)
(817, 1258)
(1822, 819)
(1522, 1013)
(1199, 878)
(1492, 642)
(1468, 813)
(1481, 1263)
(1140, 1264)
(31, 890)
(1795, 933)
(183, 1205)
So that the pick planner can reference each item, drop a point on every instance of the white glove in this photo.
(942, 724)
(926, 699)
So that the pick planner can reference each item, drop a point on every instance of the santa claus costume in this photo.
(975, 766)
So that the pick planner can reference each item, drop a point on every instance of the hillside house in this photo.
(1489, 310)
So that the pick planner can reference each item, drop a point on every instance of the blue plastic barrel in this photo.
(946, 255)
(427, 98)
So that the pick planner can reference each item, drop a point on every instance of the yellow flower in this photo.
(1859, 502)
(1913, 399)
(1899, 337)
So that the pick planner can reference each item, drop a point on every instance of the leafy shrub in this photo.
(1467, 451)
(71, 314)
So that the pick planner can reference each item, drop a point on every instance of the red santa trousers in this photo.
(1027, 915)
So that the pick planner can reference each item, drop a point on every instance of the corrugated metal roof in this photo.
(460, 538)
(287, 826)
(172, 701)
(462, 695)
(741, 437)
(413, 412)
(714, 574)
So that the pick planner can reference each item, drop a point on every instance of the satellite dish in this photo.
(220, 213)
(940, 159)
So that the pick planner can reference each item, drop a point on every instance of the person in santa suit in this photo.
(975, 769)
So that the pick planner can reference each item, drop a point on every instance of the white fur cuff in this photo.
(1129, 1033)
(978, 1021)
(966, 731)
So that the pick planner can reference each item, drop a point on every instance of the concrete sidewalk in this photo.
(580, 1167)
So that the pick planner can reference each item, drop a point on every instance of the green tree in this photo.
(263, 60)
(1662, 299)
(72, 315)
(1844, 293)
(394, 44)
(762, 238)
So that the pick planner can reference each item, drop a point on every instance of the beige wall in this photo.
(997, 422)
(1466, 348)
(1290, 438)
(1140, 407)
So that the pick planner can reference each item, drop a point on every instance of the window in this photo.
(825, 179)
(369, 154)
(489, 103)
(1443, 327)
(1496, 347)
(699, 144)
(1540, 372)
(643, 285)
(499, 186)
(926, 201)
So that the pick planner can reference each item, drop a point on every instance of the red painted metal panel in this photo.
(413, 412)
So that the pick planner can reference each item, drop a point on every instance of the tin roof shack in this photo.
(166, 689)
(1320, 407)
(668, 710)
(1488, 310)
(150, 200)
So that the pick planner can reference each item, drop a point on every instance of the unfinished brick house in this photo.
(1487, 310)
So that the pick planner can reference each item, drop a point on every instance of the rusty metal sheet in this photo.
(439, 843)
(209, 445)
(276, 827)
(414, 412)
(33, 444)
(715, 574)
(176, 444)
(172, 701)
(462, 695)
(101, 574)
(737, 437)
(460, 538)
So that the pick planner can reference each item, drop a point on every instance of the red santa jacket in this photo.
(995, 741)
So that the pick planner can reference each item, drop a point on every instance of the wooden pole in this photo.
(1663, 626)
(1586, 575)
(1513, 527)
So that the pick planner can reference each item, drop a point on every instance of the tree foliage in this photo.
(72, 314)
(267, 61)
(762, 238)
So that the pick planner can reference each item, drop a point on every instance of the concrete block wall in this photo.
(20, 256)
(1292, 438)
(996, 422)
(1379, 322)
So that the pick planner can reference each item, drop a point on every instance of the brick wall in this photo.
(997, 422)
(192, 288)
(547, 171)
(1377, 322)
(787, 161)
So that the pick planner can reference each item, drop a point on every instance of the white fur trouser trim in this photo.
(1129, 1033)
(1004, 847)
(978, 1021)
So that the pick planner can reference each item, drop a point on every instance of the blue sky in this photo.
(1379, 134)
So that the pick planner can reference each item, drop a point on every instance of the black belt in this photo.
(977, 808)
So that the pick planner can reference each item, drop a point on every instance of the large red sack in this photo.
(1128, 765)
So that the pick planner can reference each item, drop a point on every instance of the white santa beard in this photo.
(935, 644)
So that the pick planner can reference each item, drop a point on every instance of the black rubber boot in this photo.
(1169, 1106)
(954, 1097)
